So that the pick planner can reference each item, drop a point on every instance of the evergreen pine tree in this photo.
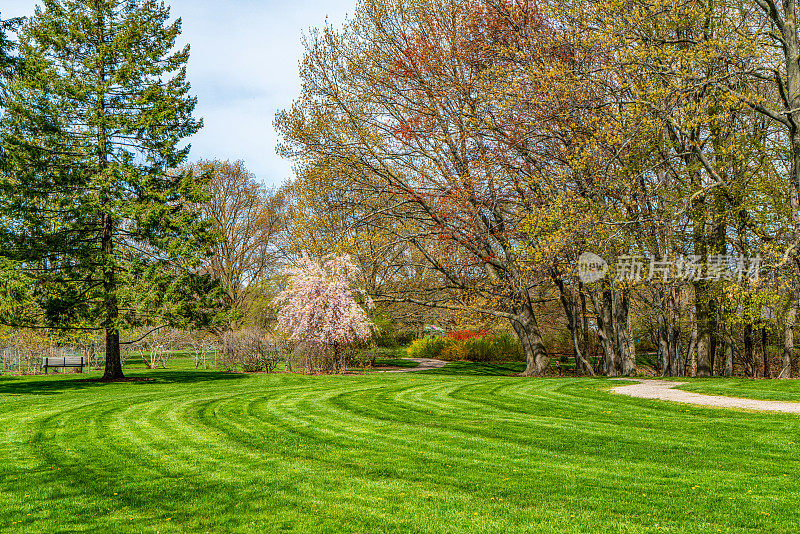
(93, 208)
(8, 61)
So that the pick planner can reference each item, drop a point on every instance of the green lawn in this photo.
(450, 450)
(396, 362)
(782, 390)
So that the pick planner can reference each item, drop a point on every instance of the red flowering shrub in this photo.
(461, 335)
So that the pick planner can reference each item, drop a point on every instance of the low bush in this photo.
(455, 351)
(249, 350)
(427, 347)
(480, 349)
(507, 348)
(484, 347)
(313, 357)
(384, 332)
(406, 337)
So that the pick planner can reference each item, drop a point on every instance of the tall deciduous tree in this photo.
(93, 207)
(247, 218)
(696, 164)
(407, 118)
(775, 26)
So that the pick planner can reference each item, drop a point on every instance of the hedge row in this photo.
(485, 347)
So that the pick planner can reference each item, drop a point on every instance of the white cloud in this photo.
(243, 69)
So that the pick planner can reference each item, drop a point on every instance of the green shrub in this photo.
(454, 351)
(508, 348)
(499, 347)
(427, 347)
(480, 349)
(384, 332)
(405, 337)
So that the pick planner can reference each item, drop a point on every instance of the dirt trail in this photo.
(663, 390)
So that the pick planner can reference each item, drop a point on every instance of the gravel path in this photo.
(663, 390)
(424, 365)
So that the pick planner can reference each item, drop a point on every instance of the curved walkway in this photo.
(424, 365)
(663, 390)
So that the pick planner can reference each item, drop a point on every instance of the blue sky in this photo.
(243, 68)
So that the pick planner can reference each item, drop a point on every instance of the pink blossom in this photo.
(319, 305)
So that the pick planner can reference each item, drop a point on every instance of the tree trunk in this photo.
(585, 323)
(113, 370)
(677, 360)
(569, 302)
(705, 329)
(582, 365)
(749, 356)
(527, 330)
(767, 370)
(663, 344)
(790, 90)
(728, 342)
(669, 335)
(631, 337)
(627, 360)
(691, 353)
(604, 307)
(758, 355)
(676, 351)
(788, 341)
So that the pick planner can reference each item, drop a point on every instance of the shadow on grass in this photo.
(52, 385)
(477, 369)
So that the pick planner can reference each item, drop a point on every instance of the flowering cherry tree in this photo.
(320, 306)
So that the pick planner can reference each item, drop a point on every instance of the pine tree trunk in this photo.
(113, 369)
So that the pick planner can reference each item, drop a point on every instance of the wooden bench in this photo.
(64, 362)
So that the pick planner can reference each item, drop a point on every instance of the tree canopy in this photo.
(94, 211)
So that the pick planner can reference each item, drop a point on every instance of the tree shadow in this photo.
(55, 384)
(477, 369)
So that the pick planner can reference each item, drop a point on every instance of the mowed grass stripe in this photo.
(385, 453)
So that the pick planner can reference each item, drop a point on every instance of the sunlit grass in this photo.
(450, 450)
(781, 390)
